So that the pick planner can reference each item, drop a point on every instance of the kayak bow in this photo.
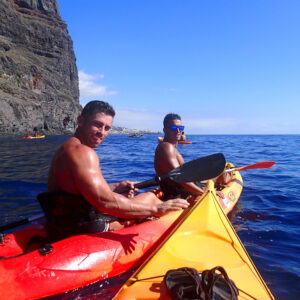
(203, 240)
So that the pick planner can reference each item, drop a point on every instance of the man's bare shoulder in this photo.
(74, 149)
(164, 152)
(165, 147)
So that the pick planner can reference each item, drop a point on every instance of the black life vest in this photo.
(68, 214)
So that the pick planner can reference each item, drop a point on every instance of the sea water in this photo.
(266, 218)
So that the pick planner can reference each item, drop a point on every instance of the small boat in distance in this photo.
(135, 135)
(30, 137)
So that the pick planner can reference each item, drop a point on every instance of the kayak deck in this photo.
(205, 239)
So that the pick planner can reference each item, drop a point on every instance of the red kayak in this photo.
(75, 261)
(83, 259)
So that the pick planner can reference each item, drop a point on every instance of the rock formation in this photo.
(38, 74)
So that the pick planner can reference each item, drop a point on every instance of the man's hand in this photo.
(129, 184)
(171, 205)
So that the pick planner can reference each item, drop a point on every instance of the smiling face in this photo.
(173, 135)
(94, 128)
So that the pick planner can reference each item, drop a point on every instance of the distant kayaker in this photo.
(167, 158)
(183, 137)
(81, 199)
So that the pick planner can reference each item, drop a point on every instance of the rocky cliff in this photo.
(38, 74)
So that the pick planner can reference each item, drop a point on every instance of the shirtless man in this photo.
(75, 170)
(168, 158)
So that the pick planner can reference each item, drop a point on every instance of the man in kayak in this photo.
(168, 158)
(183, 137)
(81, 200)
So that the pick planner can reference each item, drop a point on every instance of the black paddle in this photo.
(196, 170)
(21, 222)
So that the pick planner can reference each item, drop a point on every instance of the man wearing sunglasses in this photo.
(168, 158)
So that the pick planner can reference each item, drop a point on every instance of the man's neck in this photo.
(174, 143)
(78, 135)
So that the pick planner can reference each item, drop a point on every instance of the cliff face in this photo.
(38, 74)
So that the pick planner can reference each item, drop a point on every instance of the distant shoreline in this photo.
(70, 134)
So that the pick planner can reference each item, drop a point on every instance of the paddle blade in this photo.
(199, 169)
(259, 165)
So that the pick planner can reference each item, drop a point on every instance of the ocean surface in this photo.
(267, 217)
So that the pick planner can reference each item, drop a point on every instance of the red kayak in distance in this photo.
(33, 137)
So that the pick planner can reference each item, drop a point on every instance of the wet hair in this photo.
(97, 105)
(170, 117)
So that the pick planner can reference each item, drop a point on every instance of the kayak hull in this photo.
(83, 259)
(204, 240)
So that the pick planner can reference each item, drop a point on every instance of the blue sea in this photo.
(266, 218)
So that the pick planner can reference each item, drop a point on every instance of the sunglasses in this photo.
(174, 128)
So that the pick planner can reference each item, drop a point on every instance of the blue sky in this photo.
(227, 67)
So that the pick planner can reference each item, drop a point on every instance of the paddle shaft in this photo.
(21, 222)
(259, 165)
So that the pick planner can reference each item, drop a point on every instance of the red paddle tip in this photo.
(259, 165)
(267, 164)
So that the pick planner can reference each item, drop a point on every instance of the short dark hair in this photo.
(98, 105)
(170, 117)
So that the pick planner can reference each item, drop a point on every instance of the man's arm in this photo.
(126, 183)
(83, 162)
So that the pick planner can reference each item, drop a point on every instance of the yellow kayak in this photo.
(203, 240)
